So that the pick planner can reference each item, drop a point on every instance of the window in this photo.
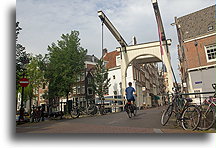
(78, 90)
(105, 63)
(78, 78)
(90, 91)
(82, 77)
(74, 90)
(89, 80)
(44, 85)
(83, 89)
(134, 73)
(118, 60)
(210, 52)
(210, 28)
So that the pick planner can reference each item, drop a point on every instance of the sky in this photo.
(44, 21)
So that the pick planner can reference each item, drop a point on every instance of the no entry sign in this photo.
(24, 82)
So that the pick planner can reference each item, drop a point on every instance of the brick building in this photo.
(197, 50)
(82, 91)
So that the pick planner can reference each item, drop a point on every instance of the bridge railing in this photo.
(195, 96)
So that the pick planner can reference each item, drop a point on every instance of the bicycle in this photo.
(131, 109)
(208, 112)
(101, 109)
(56, 115)
(77, 111)
(186, 113)
(36, 114)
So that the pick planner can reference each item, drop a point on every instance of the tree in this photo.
(100, 80)
(21, 56)
(21, 60)
(35, 72)
(66, 62)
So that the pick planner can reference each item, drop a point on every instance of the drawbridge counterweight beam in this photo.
(112, 29)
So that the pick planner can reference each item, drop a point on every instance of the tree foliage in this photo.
(21, 57)
(35, 72)
(101, 83)
(66, 62)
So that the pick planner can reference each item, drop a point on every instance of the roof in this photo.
(111, 59)
(91, 58)
(198, 23)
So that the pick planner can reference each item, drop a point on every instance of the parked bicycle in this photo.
(208, 112)
(56, 115)
(187, 114)
(36, 114)
(101, 109)
(80, 110)
(131, 109)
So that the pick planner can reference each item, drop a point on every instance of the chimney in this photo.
(104, 52)
(134, 40)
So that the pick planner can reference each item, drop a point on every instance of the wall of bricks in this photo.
(191, 52)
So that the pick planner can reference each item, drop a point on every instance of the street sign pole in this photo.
(22, 106)
(24, 83)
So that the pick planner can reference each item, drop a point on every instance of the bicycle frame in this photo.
(36, 113)
(210, 102)
(214, 97)
(179, 104)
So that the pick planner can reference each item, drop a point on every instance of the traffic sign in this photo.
(24, 82)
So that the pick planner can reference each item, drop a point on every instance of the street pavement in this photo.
(146, 121)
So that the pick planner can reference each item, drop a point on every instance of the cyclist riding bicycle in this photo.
(130, 92)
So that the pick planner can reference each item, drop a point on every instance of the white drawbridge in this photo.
(145, 53)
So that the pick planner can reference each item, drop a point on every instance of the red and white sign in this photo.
(24, 82)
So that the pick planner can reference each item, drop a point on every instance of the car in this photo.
(26, 117)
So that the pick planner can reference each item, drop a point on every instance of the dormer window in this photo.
(105, 63)
(210, 28)
(118, 60)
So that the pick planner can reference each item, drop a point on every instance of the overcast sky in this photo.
(44, 21)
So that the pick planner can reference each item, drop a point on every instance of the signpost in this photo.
(24, 82)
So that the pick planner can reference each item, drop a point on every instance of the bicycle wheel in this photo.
(166, 115)
(102, 111)
(134, 109)
(207, 117)
(190, 117)
(74, 112)
(37, 119)
(129, 111)
(92, 109)
(32, 119)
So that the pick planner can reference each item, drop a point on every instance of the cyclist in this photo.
(130, 92)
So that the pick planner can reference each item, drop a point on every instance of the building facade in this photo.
(82, 92)
(197, 50)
